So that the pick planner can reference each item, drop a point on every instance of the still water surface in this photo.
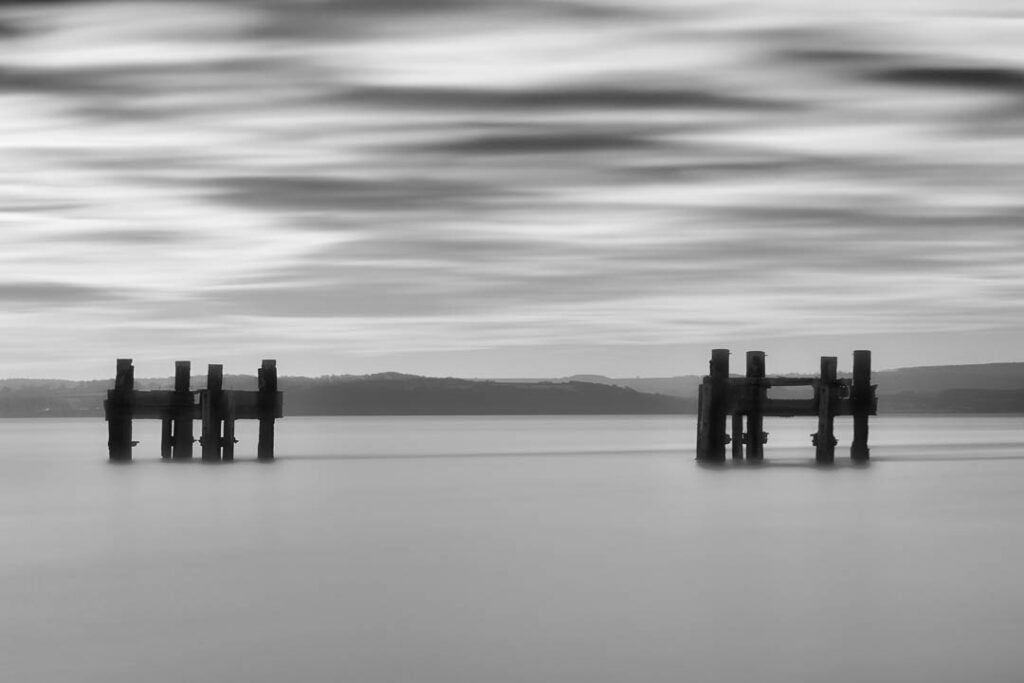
(500, 549)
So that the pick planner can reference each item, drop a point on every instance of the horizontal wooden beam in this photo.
(794, 407)
(248, 404)
(782, 381)
(792, 381)
(158, 404)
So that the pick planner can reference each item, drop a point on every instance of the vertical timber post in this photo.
(267, 384)
(228, 442)
(861, 400)
(212, 412)
(714, 396)
(756, 396)
(166, 436)
(824, 439)
(703, 418)
(737, 435)
(184, 406)
(119, 412)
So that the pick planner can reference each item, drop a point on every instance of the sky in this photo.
(520, 188)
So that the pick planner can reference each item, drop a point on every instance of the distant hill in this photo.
(394, 394)
(986, 388)
(939, 378)
(684, 386)
(380, 394)
(982, 388)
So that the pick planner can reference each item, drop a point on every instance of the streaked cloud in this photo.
(51, 294)
(1001, 81)
(356, 185)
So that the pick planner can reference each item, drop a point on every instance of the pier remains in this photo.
(722, 397)
(216, 407)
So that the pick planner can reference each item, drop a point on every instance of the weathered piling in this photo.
(756, 394)
(713, 402)
(737, 436)
(183, 407)
(824, 438)
(227, 443)
(118, 408)
(862, 404)
(703, 418)
(268, 407)
(166, 437)
(212, 412)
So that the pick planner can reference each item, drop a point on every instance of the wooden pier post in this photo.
(267, 377)
(228, 442)
(861, 400)
(212, 413)
(119, 412)
(827, 395)
(184, 407)
(737, 436)
(166, 437)
(712, 435)
(703, 418)
(755, 436)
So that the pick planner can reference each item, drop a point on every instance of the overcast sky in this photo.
(509, 188)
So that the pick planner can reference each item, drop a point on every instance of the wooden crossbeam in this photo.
(157, 404)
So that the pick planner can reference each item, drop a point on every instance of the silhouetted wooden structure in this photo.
(722, 396)
(216, 407)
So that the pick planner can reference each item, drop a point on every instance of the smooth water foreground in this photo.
(514, 549)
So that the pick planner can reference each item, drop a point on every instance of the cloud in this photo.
(134, 237)
(401, 7)
(612, 96)
(386, 177)
(835, 56)
(991, 79)
(53, 294)
(30, 80)
(550, 142)
(413, 9)
(392, 194)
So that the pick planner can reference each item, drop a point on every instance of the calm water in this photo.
(514, 549)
